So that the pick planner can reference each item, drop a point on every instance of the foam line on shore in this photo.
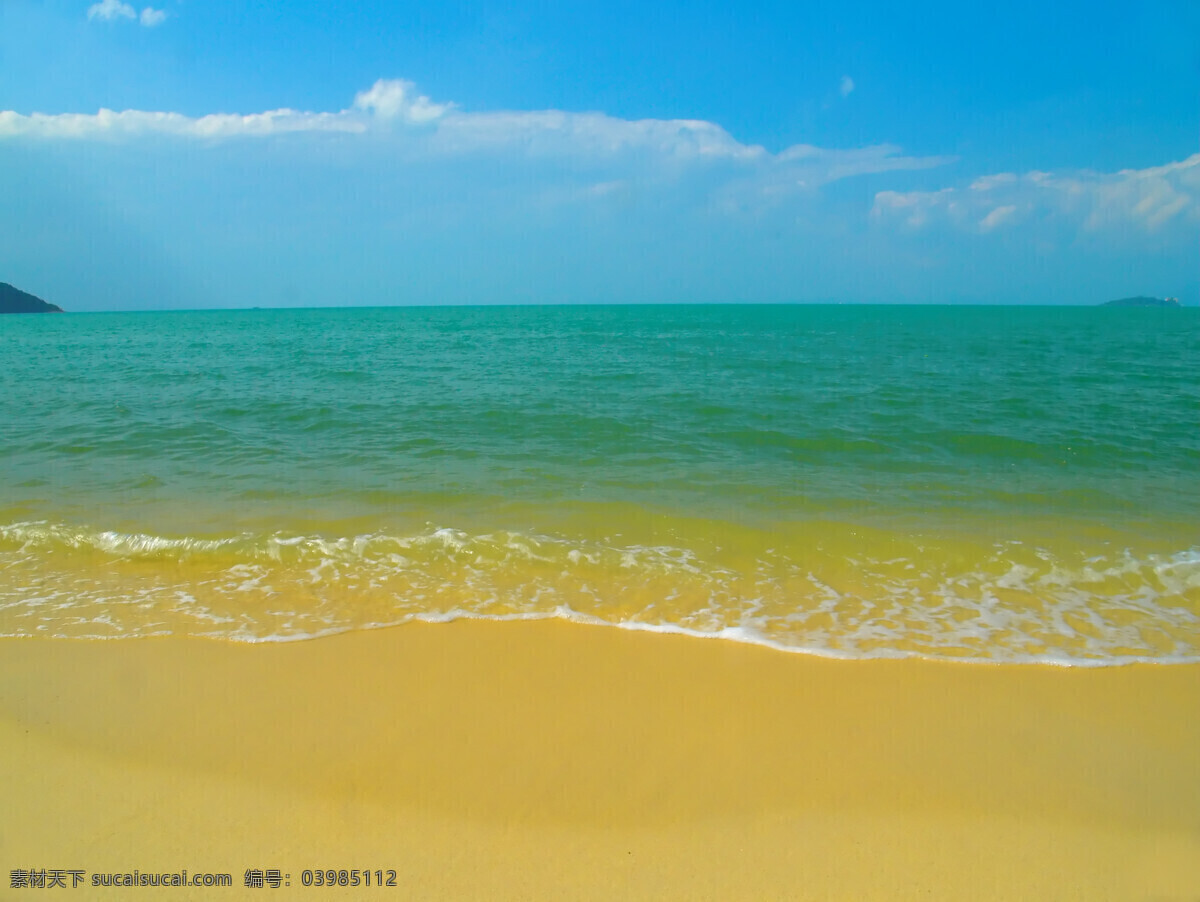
(823, 589)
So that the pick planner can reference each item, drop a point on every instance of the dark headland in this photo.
(1142, 302)
(14, 300)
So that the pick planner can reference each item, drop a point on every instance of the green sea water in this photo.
(1005, 484)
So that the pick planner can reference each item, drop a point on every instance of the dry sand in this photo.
(552, 761)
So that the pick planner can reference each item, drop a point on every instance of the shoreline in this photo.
(545, 759)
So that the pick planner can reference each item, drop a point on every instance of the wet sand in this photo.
(546, 760)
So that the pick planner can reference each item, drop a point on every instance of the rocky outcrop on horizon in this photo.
(14, 300)
(1142, 301)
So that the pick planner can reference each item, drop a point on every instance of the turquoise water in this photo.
(1009, 484)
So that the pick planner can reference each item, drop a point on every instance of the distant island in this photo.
(14, 300)
(1143, 302)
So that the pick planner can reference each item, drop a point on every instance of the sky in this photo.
(202, 153)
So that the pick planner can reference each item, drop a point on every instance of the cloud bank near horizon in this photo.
(421, 128)
(1151, 199)
(418, 128)
(400, 197)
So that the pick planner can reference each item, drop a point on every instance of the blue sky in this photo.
(323, 153)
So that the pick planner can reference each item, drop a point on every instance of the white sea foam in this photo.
(1009, 606)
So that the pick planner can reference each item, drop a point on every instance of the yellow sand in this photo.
(552, 761)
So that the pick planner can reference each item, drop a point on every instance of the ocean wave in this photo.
(828, 590)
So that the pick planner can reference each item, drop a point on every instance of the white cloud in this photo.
(988, 182)
(385, 101)
(997, 217)
(578, 157)
(422, 128)
(394, 99)
(913, 208)
(111, 125)
(1147, 199)
(111, 9)
(553, 132)
(846, 86)
(858, 161)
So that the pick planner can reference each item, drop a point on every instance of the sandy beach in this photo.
(547, 760)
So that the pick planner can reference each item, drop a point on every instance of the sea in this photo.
(1004, 484)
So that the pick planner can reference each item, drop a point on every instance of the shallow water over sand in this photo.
(1005, 484)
